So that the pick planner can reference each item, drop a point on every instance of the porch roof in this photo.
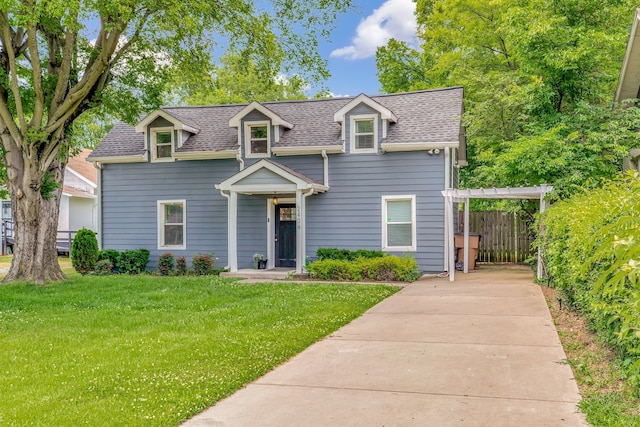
(268, 177)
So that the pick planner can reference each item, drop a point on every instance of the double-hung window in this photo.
(172, 224)
(162, 144)
(364, 134)
(257, 139)
(399, 223)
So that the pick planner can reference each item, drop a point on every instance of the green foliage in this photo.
(84, 251)
(386, 268)
(203, 264)
(103, 267)
(591, 251)
(143, 350)
(166, 264)
(133, 261)
(346, 254)
(181, 266)
(110, 255)
(537, 91)
(48, 186)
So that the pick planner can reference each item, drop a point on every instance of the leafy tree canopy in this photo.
(539, 77)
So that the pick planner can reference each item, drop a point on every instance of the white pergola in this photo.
(454, 195)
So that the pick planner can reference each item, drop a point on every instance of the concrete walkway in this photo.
(481, 351)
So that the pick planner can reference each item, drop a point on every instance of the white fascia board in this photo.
(276, 120)
(385, 113)
(80, 196)
(230, 183)
(206, 155)
(627, 55)
(416, 146)
(140, 158)
(81, 177)
(177, 124)
(302, 151)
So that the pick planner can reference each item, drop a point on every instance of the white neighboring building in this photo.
(78, 204)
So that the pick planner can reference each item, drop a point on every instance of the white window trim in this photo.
(160, 212)
(385, 245)
(152, 144)
(247, 140)
(352, 138)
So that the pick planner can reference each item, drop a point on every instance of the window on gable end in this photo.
(364, 134)
(162, 144)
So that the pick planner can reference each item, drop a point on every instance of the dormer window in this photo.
(257, 137)
(162, 144)
(364, 134)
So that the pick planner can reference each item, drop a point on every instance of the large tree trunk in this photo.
(35, 217)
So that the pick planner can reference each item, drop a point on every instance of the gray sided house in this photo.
(285, 178)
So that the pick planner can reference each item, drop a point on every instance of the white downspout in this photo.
(98, 167)
(240, 160)
(326, 167)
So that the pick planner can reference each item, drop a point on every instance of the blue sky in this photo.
(352, 48)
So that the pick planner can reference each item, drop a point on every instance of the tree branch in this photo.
(36, 70)
(7, 41)
(65, 70)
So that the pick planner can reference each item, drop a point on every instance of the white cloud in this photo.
(394, 19)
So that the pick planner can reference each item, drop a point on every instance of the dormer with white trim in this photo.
(364, 124)
(258, 129)
(164, 134)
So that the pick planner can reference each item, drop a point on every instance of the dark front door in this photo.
(285, 236)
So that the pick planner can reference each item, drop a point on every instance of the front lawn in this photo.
(143, 350)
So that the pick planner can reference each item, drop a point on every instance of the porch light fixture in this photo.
(275, 200)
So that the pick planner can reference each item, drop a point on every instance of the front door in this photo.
(285, 235)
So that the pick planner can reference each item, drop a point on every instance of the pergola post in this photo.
(466, 235)
(543, 205)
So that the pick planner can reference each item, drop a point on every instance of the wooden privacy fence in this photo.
(505, 236)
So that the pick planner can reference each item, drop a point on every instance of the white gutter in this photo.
(416, 146)
(140, 158)
(326, 167)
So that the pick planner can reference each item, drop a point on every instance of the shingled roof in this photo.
(430, 116)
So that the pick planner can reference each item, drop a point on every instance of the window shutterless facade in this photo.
(399, 223)
(172, 215)
(161, 144)
(257, 139)
(364, 133)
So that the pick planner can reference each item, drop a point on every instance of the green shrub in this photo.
(166, 264)
(103, 268)
(385, 269)
(133, 261)
(181, 266)
(111, 255)
(591, 251)
(346, 254)
(203, 265)
(84, 251)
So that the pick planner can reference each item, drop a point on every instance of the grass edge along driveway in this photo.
(142, 350)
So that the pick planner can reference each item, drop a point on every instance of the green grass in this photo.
(143, 350)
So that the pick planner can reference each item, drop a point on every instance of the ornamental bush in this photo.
(133, 261)
(385, 269)
(84, 251)
(346, 254)
(203, 264)
(591, 251)
(103, 268)
(110, 255)
(181, 266)
(165, 264)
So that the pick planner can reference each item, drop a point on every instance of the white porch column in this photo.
(232, 231)
(299, 231)
(466, 235)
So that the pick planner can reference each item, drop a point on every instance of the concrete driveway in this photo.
(481, 351)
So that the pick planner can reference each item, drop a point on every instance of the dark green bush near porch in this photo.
(181, 266)
(103, 268)
(133, 261)
(346, 254)
(110, 255)
(386, 268)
